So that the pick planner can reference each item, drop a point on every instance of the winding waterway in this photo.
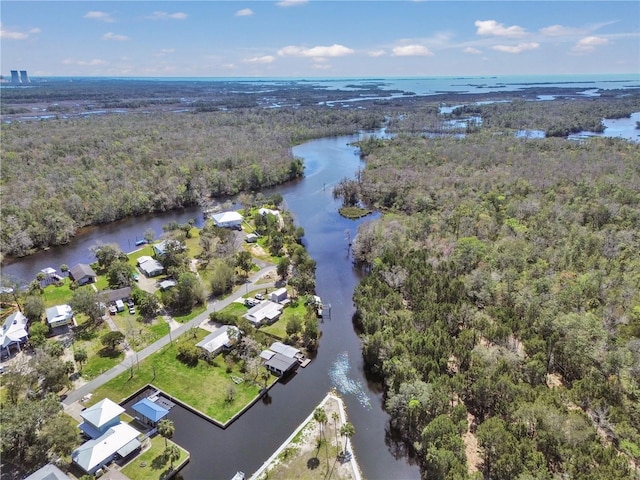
(248, 442)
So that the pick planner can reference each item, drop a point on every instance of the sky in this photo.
(313, 38)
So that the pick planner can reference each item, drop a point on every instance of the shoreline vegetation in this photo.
(501, 307)
(97, 155)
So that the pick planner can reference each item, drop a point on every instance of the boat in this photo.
(238, 476)
(140, 242)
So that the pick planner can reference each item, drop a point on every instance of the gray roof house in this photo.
(117, 442)
(48, 472)
(82, 274)
(264, 312)
(149, 266)
(100, 417)
(278, 363)
(227, 219)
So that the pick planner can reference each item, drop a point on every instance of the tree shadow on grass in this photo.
(313, 463)
(107, 352)
(159, 463)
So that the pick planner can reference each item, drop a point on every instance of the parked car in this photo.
(130, 303)
(251, 302)
(132, 311)
(259, 296)
(113, 310)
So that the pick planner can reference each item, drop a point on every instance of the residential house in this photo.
(286, 350)
(100, 417)
(48, 472)
(264, 313)
(167, 284)
(224, 338)
(150, 413)
(82, 274)
(278, 363)
(14, 332)
(59, 315)
(279, 295)
(149, 266)
(228, 220)
(111, 296)
(159, 249)
(251, 238)
(116, 442)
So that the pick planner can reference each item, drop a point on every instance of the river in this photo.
(249, 441)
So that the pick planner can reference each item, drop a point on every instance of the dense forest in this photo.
(62, 174)
(502, 305)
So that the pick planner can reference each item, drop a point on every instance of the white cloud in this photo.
(560, 30)
(115, 36)
(519, 48)
(291, 3)
(588, 44)
(321, 66)
(412, 51)
(84, 63)
(12, 35)
(102, 16)
(245, 12)
(493, 28)
(472, 51)
(377, 53)
(262, 59)
(159, 15)
(334, 50)
(165, 51)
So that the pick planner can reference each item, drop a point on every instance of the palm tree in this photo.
(348, 431)
(166, 429)
(172, 453)
(335, 418)
(320, 416)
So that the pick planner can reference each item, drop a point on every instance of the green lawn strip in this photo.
(139, 334)
(151, 464)
(204, 386)
(136, 254)
(58, 295)
(191, 315)
(193, 244)
(235, 308)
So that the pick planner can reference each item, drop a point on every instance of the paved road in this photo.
(214, 306)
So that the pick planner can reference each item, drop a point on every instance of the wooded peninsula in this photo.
(501, 302)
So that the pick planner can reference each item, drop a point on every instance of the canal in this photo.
(248, 442)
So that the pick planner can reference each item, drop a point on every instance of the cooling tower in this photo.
(14, 76)
(24, 78)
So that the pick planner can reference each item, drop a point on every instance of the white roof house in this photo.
(99, 417)
(120, 439)
(227, 219)
(264, 312)
(59, 315)
(14, 330)
(221, 338)
(268, 211)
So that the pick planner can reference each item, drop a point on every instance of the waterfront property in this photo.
(149, 412)
(82, 274)
(264, 313)
(224, 338)
(48, 472)
(149, 266)
(109, 438)
(228, 220)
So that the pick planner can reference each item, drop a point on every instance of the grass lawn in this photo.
(151, 463)
(191, 315)
(202, 386)
(54, 295)
(279, 328)
(139, 334)
(135, 255)
(99, 359)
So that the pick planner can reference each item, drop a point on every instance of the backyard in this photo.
(209, 388)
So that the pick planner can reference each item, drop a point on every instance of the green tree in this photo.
(283, 267)
(86, 300)
(244, 262)
(172, 453)
(166, 429)
(34, 308)
(120, 274)
(38, 334)
(111, 340)
(80, 356)
(310, 334)
(220, 278)
(347, 431)
(320, 416)
(106, 254)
